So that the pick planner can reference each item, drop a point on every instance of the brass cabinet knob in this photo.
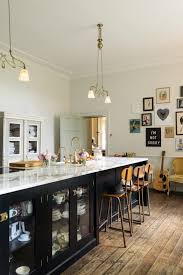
(3, 217)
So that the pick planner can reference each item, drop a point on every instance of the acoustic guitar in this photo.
(161, 182)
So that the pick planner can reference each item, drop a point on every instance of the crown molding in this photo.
(130, 68)
(61, 71)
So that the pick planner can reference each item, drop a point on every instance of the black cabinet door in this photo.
(20, 236)
(70, 219)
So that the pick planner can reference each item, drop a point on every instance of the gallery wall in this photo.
(46, 95)
(127, 89)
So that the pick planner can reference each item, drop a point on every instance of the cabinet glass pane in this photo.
(14, 147)
(60, 221)
(33, 131)
(33, 147)
(14, 130)
(21, 237)
(83, 217)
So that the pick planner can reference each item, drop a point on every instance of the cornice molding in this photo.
(61, 71)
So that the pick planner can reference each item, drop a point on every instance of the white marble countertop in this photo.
(40, 176)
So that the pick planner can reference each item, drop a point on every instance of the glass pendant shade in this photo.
(24, 75)
(91, 94)
(107, 99)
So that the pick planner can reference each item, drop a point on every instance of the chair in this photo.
(120, 194)
(177, 177)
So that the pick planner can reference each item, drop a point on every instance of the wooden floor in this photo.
(156, 246)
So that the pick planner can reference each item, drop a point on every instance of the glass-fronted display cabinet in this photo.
(15, 138)
(83, 212)
(22, 237)
(60, 221)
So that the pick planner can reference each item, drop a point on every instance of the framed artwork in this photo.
(146, 119)
(148, 104)
(163, 115)
(153, 137)
(179, 144)
(163, 95)
(179, 123)
(179, 103)
(134, 126)
(169, 132)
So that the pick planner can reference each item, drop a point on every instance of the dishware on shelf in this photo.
(63, 239)
(59, 198)
(15, 229)
(23, 270)
(24, 237)
(79, 191)
(79, 236)
(13, 212)
(54, 235)
(27, 208)
(65, 214)
(56, 215)
(55, 248)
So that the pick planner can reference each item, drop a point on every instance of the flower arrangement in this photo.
(45, 157)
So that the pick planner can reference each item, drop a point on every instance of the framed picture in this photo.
(163, 95)
(146, 119)
(179, 144)
(179, 123)
(148, 104)
(179, 103)
(134, 126)
(153, 137)
(163, 115)
(169, 132)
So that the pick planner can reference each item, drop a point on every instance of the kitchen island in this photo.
(49, 216)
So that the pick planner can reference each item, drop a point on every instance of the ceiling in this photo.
(137, 33)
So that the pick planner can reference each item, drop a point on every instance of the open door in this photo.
(74, 126)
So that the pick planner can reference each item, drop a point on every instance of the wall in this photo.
(46, 95)
(125, 89)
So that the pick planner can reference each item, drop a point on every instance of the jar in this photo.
(97, 153)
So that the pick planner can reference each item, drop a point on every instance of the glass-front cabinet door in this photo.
(60, 221)
(33, 139)
(84, 227)
(24, 235)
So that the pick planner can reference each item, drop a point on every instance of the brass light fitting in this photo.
(98, 89)
(10, 59)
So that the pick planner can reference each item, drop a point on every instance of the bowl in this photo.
(23, 270)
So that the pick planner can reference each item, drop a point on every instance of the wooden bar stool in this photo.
(138, 182)
(120, 195)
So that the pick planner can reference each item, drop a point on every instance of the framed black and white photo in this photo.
(148, 104)
(163, 95)
(179, 103)
(179, 123)
(146, 119)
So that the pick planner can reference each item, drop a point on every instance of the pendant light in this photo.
(10, 59)
(98, 89)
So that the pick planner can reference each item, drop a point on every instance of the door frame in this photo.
(100, 114)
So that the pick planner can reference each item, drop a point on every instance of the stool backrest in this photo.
(126, 177)
(139, 172)
(127, 174)
(149, 169)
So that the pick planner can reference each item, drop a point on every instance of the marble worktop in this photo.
(59, 171)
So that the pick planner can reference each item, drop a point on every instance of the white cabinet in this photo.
(20, 138)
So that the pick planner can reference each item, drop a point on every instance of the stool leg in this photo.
(148, 197)
(140, 207)
(122, 227)
(100, 211)
(142, 192)
(111, 212)
(129, 218)
(130, 199)
(108, 210)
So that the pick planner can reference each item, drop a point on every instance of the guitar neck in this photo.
(162, 164)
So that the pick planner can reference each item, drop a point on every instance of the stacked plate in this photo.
(56, 215)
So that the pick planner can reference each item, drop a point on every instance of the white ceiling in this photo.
(137, 33)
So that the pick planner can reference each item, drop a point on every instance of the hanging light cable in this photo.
(98, 89)
(10, 59)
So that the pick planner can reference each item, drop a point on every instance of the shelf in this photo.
(16, 245)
